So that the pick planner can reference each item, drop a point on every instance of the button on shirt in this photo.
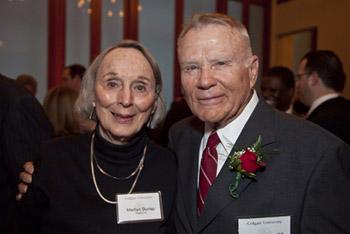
(229, 134)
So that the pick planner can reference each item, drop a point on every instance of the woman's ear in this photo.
(154, 108)
(93, 115)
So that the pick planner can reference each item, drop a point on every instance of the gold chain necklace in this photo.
(121, 178)
(138, 170)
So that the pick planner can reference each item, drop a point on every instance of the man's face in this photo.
(217, 74)
(302, 84)
(276, 93)
(69, 81)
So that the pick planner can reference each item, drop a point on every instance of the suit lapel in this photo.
(260, 123)
(188, 169)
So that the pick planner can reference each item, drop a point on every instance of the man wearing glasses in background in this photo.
(320, 80)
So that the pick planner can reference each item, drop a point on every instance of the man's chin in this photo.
(271, 103)
(209, 118)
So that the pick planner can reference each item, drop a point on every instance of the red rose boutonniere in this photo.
(246, 163)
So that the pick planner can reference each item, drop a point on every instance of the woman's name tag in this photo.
(139, 207)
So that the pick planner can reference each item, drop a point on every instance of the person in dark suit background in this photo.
(277, 88)
(321, 79)
(23, 125)
(29, 82)
(72, 76)
(299, 189)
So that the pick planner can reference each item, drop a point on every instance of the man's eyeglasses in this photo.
(299, 76)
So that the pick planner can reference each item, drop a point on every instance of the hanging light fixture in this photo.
(85, 4)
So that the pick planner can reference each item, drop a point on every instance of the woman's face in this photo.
(124, 94)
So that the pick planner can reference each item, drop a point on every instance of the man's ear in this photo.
(253, 69)
(313, 79)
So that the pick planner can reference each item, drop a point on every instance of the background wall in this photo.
(23, 40)
(331, 19)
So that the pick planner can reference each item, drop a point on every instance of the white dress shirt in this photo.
(229, 134)
(321, 100)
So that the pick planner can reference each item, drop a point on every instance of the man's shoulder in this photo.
(187, 124)
(287, 127)
(339, 104)
(10, 91)
(332, 112)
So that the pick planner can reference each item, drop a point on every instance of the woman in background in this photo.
(59, 108)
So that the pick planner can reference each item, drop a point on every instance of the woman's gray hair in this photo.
(84, 105)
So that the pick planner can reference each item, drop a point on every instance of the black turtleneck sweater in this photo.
(65, 197)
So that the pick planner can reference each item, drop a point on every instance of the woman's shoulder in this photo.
(68, 141)
(66, 146)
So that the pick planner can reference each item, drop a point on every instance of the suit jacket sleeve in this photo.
(327, 200)
(24, 128)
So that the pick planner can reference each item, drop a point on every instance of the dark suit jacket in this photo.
(334, 115)
(23, 125)
(307, 177)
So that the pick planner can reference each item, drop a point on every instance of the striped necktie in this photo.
(208, 168)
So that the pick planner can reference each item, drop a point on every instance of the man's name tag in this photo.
(139, 207)
(268, 225)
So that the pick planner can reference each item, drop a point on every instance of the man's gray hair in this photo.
(84, 105)
(201, 20)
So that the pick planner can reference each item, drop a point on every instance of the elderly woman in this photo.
(115, 180)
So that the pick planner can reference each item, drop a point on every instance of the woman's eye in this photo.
(112, 84)
(140, 88)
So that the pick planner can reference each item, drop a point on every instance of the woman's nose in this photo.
(125, 97)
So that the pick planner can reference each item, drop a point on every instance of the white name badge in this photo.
(139, 207)
(268, 225)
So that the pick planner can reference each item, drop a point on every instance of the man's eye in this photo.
(191, 68)
(220, 64)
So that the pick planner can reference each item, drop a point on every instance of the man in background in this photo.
(321, 80)
(277, 88)
(28, 82)
(73, 75)
(23, 126)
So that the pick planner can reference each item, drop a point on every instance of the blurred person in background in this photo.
(23, 126)
(28, 82)
(277, 88)
(321, 79)
(72, 76)
(59, 108)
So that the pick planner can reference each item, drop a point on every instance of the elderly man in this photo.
(321, 80)
(244, 167)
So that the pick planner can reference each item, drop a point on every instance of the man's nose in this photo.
(206, 78)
